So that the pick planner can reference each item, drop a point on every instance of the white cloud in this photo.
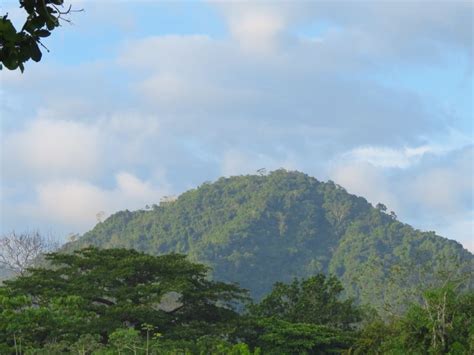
(132, 187)
(446, 189)
(461, 229)
(388, 157)
(404, 157)
(383, 29)
(193, 107)
(257, 31)
(189, 79)
(365, 180)
(46, 148)
(76, 203)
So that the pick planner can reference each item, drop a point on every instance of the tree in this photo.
(313, 301)
(42, 17)
(121, 289)
(125, 339)
(281, 337)
(303, 317)
(19, 251)
(443, 323)
(444, 318)
(25, 323)
(439, 319)
(87, 344)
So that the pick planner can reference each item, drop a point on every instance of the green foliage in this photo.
(100, 291)
(444, 318)
(313, 301)
(86, 344)
(118, 301)
(17, 47)
(125, 339)
(373, 338)
(442, 322)
(23, 320)
(304, 317)
(300, 338)
(257, 230)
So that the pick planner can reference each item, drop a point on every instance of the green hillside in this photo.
(256, 230)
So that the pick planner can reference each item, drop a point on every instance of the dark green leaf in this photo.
(42, 33)
(7, 30)
(50, 25)
(35, 52)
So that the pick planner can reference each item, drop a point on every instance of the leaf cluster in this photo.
(19, 46)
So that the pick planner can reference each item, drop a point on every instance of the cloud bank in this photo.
(300, 85)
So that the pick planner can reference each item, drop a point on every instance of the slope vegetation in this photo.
(256, 230)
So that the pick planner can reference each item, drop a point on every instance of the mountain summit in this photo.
(257, 230)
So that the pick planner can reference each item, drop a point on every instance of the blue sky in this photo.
(144, 99)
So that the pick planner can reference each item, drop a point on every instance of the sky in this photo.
(137, 100)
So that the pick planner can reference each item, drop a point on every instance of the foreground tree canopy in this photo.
(94, 298)
(122, 301)
(19, 46)
(98, 291)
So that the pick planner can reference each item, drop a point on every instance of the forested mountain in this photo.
(257, 230)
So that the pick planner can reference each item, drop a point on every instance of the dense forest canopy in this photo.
(119, 301)
(260, 229)
(327, 273)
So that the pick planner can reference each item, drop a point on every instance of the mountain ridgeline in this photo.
(257, 230)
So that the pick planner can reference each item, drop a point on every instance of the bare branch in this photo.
(19, 251)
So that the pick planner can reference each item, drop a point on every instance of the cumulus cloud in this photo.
(51, 91)
(76, 203)
(460, 228)
(433, 191)
(446, 189)
(177, 110)
(387, 157)
(364, 179)
(70, 202)
(383, 29)
(255, 27)
(212, 83)
(46, 148)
